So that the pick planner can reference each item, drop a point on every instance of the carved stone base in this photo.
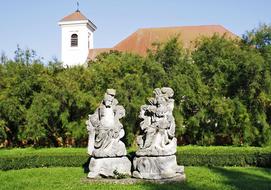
(109, 167)
(162, 167)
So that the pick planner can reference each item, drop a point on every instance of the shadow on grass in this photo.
(231, 179)
(244, 180)
(185, 185)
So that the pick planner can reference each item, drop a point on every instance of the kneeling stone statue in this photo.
(105, 131)
(155, 158)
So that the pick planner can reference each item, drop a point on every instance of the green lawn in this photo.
(42, 151)
(197, 178)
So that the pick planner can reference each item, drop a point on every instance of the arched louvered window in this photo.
(74, 40)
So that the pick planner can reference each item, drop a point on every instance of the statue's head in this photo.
(109, 97)
(157, 92)
(111, 92)
(108, 100)
(162, 95)
(168, 92)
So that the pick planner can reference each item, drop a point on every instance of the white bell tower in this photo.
(76, 39)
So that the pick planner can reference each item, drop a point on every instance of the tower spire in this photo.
(77, 6)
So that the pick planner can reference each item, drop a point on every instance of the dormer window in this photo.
(74, 40)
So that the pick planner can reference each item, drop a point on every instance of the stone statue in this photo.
(105, 131)
(155, 158)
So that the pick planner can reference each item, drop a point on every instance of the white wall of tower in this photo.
(71, 56)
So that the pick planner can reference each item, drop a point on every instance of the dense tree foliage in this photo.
(222, 92)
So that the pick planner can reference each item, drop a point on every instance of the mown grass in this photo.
(42, 151)
(200, 178)
(221, 149)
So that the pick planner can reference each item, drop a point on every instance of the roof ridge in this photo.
(186, 26)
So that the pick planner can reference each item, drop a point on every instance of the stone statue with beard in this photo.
(105, 131)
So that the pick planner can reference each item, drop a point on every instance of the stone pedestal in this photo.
(161, 167)
(108, 167)
(105, 146)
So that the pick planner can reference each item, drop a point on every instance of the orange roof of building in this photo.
(77, 15)
(95, 52)
(141, 40)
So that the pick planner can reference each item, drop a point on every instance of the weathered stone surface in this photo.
(155, 150)
(109, 167)
(158, 125)
(161, 167)
(157, 145)
(105, 129)
(105, 132)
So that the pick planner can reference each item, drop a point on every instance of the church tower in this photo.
(76, 39)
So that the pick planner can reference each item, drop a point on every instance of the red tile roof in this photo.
(95, 52)
(141, 40)
(77, 15)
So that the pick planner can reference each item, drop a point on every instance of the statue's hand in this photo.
(121, 133)
(90, 127)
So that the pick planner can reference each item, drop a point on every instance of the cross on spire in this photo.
(77, 6)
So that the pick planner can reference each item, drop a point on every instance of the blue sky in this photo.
(33, 23)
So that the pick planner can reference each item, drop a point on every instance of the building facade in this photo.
(77, 38)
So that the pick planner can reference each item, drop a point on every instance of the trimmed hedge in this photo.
(224, 156)
(35, 161)
(19, 158)
(187, 155)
